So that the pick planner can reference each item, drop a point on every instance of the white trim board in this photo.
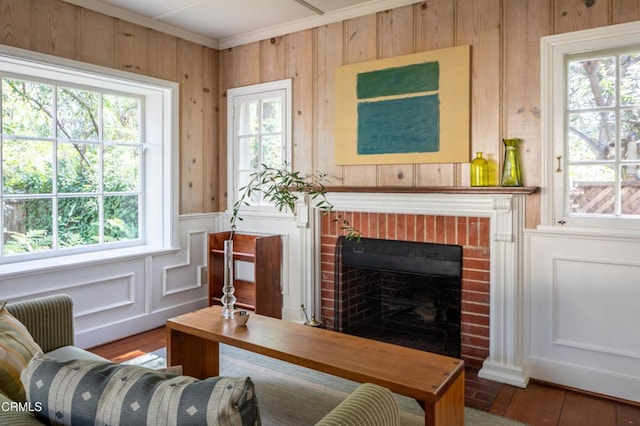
(273, 31)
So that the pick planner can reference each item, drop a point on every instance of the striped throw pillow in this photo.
(17, 347)
(103, 393)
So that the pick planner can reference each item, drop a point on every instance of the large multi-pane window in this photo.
(70, 166)
(591, 123)
(261, 134)
(85, 158)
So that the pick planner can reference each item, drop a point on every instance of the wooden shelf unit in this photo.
(264, 295)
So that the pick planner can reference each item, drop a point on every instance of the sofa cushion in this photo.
(17, 347)
(96, 392)
(68, 353)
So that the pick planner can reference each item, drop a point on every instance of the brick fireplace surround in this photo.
(472, 233)
(489, 227)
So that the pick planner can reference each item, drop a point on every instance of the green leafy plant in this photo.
(281, 188)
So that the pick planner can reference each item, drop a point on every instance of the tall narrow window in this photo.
(603, 126)
(591, 92)
(260, 133)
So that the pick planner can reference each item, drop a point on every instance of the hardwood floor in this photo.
(538, 404)
(133, 346)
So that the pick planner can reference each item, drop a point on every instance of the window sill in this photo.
(12, 270)
(606, 233)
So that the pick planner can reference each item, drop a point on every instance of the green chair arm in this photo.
(49, 319)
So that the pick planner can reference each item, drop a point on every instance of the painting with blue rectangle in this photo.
(399, 110)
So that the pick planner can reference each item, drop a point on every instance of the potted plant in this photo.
(281, 188)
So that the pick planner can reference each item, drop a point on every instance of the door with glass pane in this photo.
(601, 134)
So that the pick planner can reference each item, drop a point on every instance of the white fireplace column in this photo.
(505, 361)
(506, 216)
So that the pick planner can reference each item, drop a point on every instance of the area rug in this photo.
(290, 395)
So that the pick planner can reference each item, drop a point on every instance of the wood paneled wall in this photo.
(505, 99)
(62, 29)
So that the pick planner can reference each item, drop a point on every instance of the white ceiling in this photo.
(227, 23)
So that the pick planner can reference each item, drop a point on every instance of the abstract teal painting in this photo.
(386, 126)
(408, 109)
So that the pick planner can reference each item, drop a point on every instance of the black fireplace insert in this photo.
(401, 292)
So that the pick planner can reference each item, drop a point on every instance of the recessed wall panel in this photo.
(115, 292)
(593, 304)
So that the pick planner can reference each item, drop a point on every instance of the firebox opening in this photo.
(400, 292)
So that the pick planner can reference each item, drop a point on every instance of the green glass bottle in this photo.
(511, 167)
(479, 171)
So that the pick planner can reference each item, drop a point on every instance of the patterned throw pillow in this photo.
(17, 347)
(96, 392)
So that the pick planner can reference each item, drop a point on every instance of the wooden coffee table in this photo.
(436, 381)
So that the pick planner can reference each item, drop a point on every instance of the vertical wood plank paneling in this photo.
(272, 61)
(626, 11)
(245, 65)
(329, 54)
(361, 44)
(435, 28)
(15, 17)
(130, 50)
(478, 24)
(161, 55)
(211, 117)
(498, 109)
(241, 67)
(574, 15)
(224, 82)
(397, 37)
(300, 69)
(435, 25)
(94, 37)
(524, 23)
(190, 69)
(61, 29)
(53, 28)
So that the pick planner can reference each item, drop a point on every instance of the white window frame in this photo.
(255, 91)
(554, 51)
(159, 204)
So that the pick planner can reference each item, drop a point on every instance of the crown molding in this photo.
(249, 37)
(312, 22)
(126, 15)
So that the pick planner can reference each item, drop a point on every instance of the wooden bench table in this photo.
(436, 381)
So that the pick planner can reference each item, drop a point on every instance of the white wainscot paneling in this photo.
(591, 299)
(180, 279)
(190, 274)
(109, 293)
(582, 311)
(117, 293)
(124, 295)
(296, 243)
(105, 294)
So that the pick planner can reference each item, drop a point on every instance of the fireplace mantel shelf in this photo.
(437, 189)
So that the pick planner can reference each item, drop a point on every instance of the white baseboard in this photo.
(509, 374)
(589, 379)
(133, 325)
